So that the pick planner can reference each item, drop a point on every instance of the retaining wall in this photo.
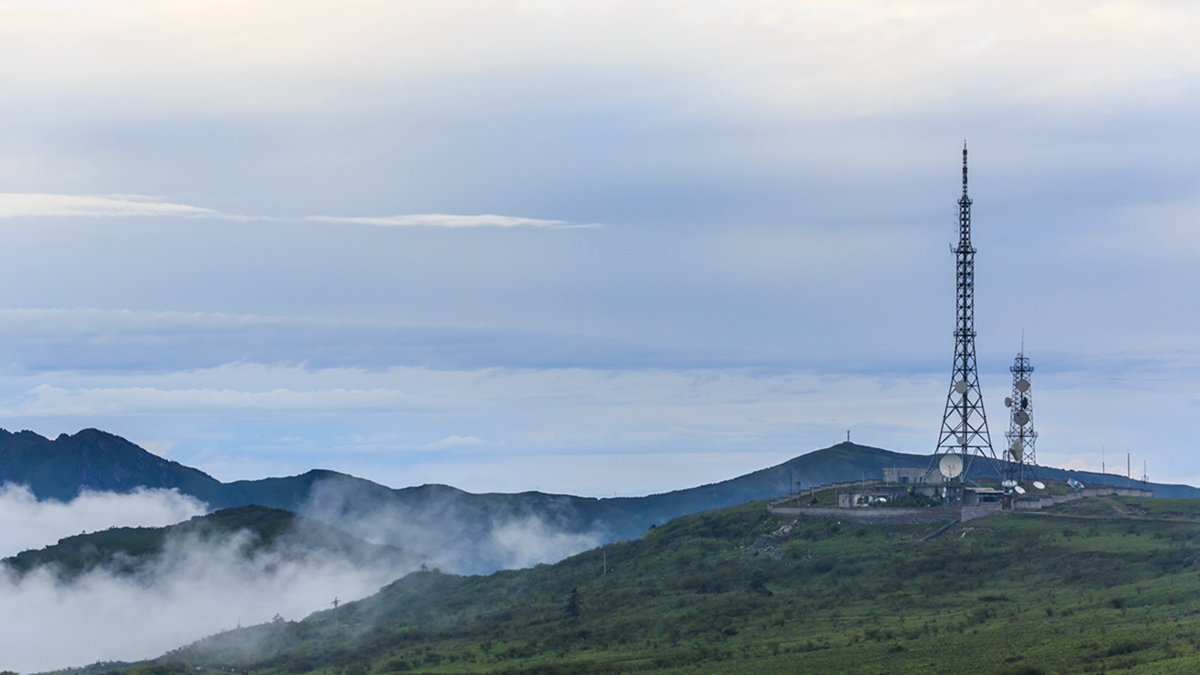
(1028, 503)
(888, 515)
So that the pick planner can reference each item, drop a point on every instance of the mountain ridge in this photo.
(468, 532)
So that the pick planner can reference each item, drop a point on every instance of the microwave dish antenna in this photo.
(951, 466)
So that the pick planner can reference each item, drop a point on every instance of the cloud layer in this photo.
(776, 182)
(445, 220)
(14, 205)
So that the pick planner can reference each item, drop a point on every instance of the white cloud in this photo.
(160, 448)
(22, 205)
(26, 523)
(49, 400)
(28, 205)
(451, 441)
(447, 220)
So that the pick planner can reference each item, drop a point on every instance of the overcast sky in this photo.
(601, 247)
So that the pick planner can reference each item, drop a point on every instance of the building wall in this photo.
(907, 475)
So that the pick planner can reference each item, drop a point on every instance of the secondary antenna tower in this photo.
(964, 424)
(1021, 458)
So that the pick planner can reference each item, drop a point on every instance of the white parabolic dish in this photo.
(950, 466)
(1039, 485)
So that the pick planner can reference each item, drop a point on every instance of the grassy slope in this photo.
(740, 591)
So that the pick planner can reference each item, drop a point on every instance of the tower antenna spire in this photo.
(964, 168)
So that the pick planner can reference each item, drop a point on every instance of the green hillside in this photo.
(1093, 586)
(130, 549)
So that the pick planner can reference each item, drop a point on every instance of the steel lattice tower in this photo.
(1020, 457)
(964, 424)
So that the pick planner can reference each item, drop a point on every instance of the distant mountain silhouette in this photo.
(94, 460)
(466, 531)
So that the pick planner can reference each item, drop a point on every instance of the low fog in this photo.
(459, 537)
(194, 589)
(26, 523)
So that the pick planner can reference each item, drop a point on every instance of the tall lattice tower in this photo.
(964, 424)
(1020, 456)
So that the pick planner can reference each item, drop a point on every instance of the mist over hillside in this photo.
(130, 593)
(1096, 585)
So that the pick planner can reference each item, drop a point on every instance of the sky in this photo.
(594, 247)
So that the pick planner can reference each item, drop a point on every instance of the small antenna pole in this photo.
(335, 616)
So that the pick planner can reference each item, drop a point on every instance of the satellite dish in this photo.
(1019, 490)
(961, 386)
(950, 466)
(1016, 444)
(1021, 417)
(1039, 485)
(1007, 402)
(1022, 385)
(961, 440)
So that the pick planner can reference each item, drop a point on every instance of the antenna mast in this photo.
(1021, 456)
(964, 424)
